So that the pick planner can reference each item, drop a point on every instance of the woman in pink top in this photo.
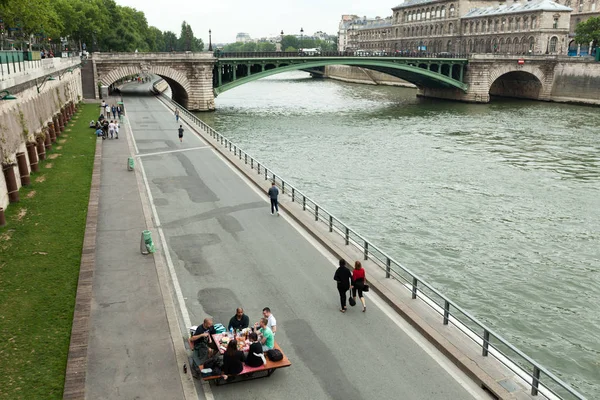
(358, 282)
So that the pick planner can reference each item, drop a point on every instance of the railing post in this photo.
(282, 186)
(273, 178)
(303, 203)
(316, 212)
(251, 163)
(258, 167)
(366, 247)
(446, 311)
(347, 236)
(414, 288)
(266, 175)
(486, 343)
(230, 145)
(293, 194)
(235, 150)
(245, 158)
(330, 223)
(535, 382)
(388, 267)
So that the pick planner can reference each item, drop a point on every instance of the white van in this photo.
(309, 52)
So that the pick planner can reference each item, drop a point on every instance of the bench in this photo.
(249, 373)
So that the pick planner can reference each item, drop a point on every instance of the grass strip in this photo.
(40, 253)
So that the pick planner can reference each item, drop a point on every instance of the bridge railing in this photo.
(288, 54)
(532, 374)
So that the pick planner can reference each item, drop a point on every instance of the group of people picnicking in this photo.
(105, 128)
(261, 337)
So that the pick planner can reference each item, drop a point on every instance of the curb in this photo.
(77, 359)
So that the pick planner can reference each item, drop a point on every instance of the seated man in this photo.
(272, 324)
(239, 321)
(92, 124)
(200, 340)
(266, 335)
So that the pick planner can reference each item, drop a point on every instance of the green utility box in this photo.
(147, 245)
(130, 164)
(597, 54)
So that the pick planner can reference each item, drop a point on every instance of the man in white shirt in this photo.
(107, 109)
(272, 322)
(111, 129)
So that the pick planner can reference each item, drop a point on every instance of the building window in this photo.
(496, 26)
(553, 42)
(443, 12)
(451, 10)
(489, 25)
(437, 12)
(477, 27)
(580, 8)
(427, 14)
(451, 28)
(531, 44)
(502, 25)
(555, 24)
(533, 20)
(510, 24)
(525, 23)
(518, 24)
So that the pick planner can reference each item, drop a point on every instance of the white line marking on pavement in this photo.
(468, 384)
(173, 151)
(178, 293)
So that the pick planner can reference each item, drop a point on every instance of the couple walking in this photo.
(354, 280)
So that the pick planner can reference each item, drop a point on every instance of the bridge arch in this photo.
(524, 82)
(177, 80)
(444, 74)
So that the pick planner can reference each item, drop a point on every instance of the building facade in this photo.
(466, 26)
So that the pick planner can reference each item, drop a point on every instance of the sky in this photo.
(259, 18)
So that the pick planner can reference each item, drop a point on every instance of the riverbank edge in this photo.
(486, 372)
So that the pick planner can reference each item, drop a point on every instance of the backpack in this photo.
(274, 355)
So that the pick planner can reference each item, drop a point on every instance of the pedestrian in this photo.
(116, 129)
(273, 193)
(102, 107)
(177, 114)
(343, 277)
(111, 129)
(358, 283)
(107, 109)
(180, 133)
(114, 111)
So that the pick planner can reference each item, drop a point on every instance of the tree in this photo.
(170, 41)
(187, 41)
(291, 49)
(588, 31)
(31, 17)
(290, 41)
(155, 39)
(266, 46)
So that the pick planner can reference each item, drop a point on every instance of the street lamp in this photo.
(301, 36)
(46, 79)
(210, 40)
(281, 42)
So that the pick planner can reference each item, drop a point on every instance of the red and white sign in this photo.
(521, 61)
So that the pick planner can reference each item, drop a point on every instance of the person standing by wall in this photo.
(358, 283)
(343, 278)
(273, 193)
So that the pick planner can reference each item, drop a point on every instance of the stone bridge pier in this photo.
(507, 76)
(190, 75)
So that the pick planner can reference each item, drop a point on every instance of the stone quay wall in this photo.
(31, 123)
(352, 74)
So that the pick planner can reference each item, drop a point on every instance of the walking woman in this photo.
(232, 360)
(358, 283)
(342, 276)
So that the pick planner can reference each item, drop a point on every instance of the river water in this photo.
(496, 205)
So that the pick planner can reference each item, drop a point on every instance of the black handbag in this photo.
(365, 288)
(352, 301)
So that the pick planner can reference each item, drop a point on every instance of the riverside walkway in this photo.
(225, 250)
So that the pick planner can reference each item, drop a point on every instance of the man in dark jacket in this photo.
(343, 277)
(273, 193)
(239, 321)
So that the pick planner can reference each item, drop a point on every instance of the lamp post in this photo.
(210, 40)
(281, 42)
(301, 37)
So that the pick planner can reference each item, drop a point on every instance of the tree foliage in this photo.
(102, 25)
(588, 31)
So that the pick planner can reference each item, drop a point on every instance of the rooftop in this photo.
(511, 8)
(410, 3)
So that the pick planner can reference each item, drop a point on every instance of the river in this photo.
(496, 205)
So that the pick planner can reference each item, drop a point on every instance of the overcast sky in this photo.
(258, 18)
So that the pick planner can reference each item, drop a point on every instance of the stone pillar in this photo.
(61, 122)
(41, 148)
(33, 158)
(201, 96)
(51, 132)
(11, 183)
(47, 142)
(56, 125)
(23, 169)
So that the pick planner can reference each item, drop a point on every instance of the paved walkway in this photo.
(225, 250)
(131, 353)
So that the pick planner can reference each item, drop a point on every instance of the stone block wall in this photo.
(577, 82)
(26, 119)
(348, 73)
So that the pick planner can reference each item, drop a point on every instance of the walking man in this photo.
(107, 109)
(114, 111)
(180, 133)
(177, 114)
(273, 193)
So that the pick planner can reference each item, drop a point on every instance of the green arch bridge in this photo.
(235, 69)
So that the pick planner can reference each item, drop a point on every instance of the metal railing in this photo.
(295, 54)
(538, 378)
